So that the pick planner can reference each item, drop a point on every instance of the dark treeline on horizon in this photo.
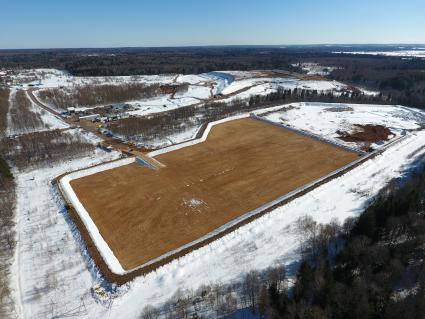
(402, 80)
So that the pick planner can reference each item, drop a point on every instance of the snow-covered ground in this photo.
(49, 263)
(315, 68)
(221, 79)
(160, 104)
(52, 78)
(54, 277)
(325, 119)
(186, 135)
(263, 86)
(418, 53)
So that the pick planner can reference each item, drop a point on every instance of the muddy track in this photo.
(43, 106)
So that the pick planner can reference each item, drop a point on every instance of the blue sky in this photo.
(96, 23)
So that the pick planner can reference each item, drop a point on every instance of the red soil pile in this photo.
(367, 133)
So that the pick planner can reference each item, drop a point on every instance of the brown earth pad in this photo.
(367, 133)
(339, 109)
(143, 213)
(314, 78)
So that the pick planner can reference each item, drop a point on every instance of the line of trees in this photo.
(4, 109)
(7, 206)
(7, 236)
(22, 117)
(401, 79)
(218, 300)
(379, 272)
(41, 148)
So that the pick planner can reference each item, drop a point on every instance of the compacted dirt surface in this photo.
(367, 133)
(143, 213)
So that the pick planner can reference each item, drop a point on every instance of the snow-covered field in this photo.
(52, 78)
(418, 53)
(325, 119)
(274, 83)
(245, 88)
(315, 68)
(160, 104)
(54, 277)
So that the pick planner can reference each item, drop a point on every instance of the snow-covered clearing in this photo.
(198, 91)
(160, 104)
(314, 68)
(325, 119)
(221, 79)
(52, 78)
(199, 79)
(264, 86)
(52, 276)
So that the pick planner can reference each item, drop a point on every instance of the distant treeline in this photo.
(128, 61)
(401, 79)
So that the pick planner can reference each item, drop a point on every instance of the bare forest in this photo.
(42, 148)
(7, 206)
(4, 109)
(93, 95)
(22, 117)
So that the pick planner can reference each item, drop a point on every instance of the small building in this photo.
(91, 117)
(71, 110)
(120, 106)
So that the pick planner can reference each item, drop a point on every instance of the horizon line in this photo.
(283, 46)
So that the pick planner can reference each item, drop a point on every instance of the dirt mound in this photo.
(366, 133)
(314, 78)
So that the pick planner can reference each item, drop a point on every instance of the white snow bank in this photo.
(52, 273)
(103, 248)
